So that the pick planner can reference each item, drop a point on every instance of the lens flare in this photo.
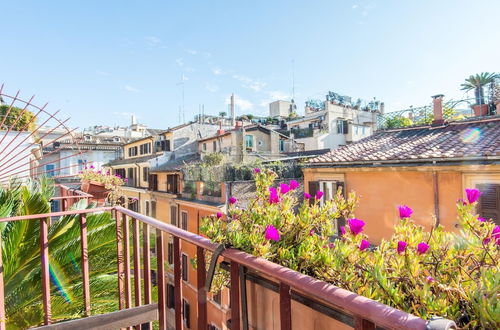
(74, 263)
(58, 278)
(471, 135)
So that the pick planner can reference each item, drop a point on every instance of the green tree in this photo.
(21, 258)
(222, 114)
(477, 82)
(24, 120)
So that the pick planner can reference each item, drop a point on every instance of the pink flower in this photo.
(256, 170)
(272, 233)
(284, 188)
(91, 166)
(429, 279)
(319, 195)
(311, 232)
(331, 245)
(219, 215)
(472, 195)
(126, 180)
(274, 198)
(495, 234)
(402, 247)
(307, 196)
(422, 248)
(364, 245)
(355, 226)
(293, 184)
(481, 219)
(342, 230)
(232, 200)
(405, 211)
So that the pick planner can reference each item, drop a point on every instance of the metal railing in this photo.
(69, 196)
(367, 313)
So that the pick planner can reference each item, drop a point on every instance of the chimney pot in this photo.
(437, 102)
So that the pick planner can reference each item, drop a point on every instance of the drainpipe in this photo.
(436, 196)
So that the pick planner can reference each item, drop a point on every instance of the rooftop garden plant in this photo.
(436, 273)
(111, 182)
(477, 82)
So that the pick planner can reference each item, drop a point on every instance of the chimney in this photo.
(382, 107)
(437, 101)
(232, 110)
(220, 131)
(134, 120)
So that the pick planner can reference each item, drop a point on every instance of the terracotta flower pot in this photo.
(480, 109)
(96, 189)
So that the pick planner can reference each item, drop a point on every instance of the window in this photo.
(184, 266)
(120, 172)
(153, 182)
(54, 206)
(145, 174)
(212, 327)
(145, 148)
(217, 298)
(87, 137)
(80, 165)
(172, 183)
(184, 220)
(133, 204)
(215, 146)
(249, 141)
(170, 253)
(153, 209)
(186, 313)
(204, 147)
(116, 139)
(173, 215)
(489, 202)
(282, 145)
(342, 127)
(132, 151)
(146, 206)
(170, 296)
(49, 170)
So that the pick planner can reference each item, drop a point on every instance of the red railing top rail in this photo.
(77, 192)
(349, 302)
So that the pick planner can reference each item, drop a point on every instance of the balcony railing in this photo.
(362, 312)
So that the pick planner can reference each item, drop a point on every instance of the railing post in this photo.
(137, 265)
(2, 292)
(160, 279)
(285, 307)
(119, 259)
(202, 294)
(44, 256)
(235, 295)
(363, 324)
(177, 283)
(146, 258)
(126, 255)
(85, 264)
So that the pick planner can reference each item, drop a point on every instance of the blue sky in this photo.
(101, 61)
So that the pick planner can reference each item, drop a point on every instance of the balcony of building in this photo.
(263, 295)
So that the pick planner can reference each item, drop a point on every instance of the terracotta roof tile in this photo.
(472, 138)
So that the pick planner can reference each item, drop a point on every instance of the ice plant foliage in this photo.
(436, 273)
(405, 211)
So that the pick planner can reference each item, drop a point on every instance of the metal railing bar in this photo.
(202, 293)
(44, 260)
(160, 280)
(177, 283)
(85, 264)
(56, 214)
(137, 266)
(235, 295)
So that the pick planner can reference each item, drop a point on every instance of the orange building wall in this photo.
(381, 190)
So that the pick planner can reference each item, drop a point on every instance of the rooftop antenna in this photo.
(293, 79)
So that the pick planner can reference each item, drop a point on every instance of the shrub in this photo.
(424, 273)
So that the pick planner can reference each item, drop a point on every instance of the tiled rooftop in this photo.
(461, 140)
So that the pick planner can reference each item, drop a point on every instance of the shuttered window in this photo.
(173, 215)
(186, 313)
(489, 202)
(170, 296)
(184, 220)
(185, 267)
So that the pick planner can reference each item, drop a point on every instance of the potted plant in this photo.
(476, 83)
(99, 183)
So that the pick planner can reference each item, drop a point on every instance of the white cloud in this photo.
(212, 88)
(153, 41)
(248, 82)
(355, 6)
(129, 88)
(257, 85)
(180, 61)
(191, 51)
(217, 71)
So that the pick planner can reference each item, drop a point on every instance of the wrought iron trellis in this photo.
(23, 144)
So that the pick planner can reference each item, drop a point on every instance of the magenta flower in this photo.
(355, 226)
(495, 234)
(422, 248)
(364, 245)
(232, 200)
(307, 196)
(91, 166)
(342, 230)
(219, 215)
(274, 198)
(126, 180)
(472, 195)
(256, 170)
(402, 247)
(429, 279)
(273, 190)
(319, 194)
(404, 211)
(293, 185)
(481, 219)
(272, 233)
(284, 188)
(311, 232)
(331, 245)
